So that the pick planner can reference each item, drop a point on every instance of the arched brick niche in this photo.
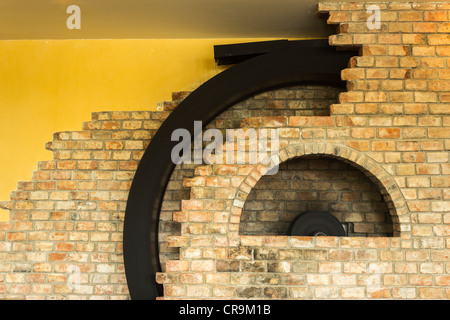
(316, 183)
(351, 184)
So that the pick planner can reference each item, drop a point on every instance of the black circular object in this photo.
(316, 223)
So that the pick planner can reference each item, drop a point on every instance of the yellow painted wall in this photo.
(54, 85)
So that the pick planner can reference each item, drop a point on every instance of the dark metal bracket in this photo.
(230, 54)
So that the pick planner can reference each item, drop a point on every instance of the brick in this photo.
(383, 146)
(374, 50)
(17, 236)
(370, 85)
(249, 292)
(431, 121)
(175, 265)
(191, 278)
(313, 133)
(337, 17)
(400, 27)
(423, 51)
(366, 108)
(364, 61)
(323, 121)
(407, 169)
(424, 27)
(352, 73)
(435, 16)
(336, 109)
(440, 206)
(355, 121)
(392, 108)
(444, 97)
(289, 133)
(359, 145)
(444, 74)
(425, 96)
(400, 6)
(377, 73)
(363, 133)
(438, 39)
(330, 267)
(396, 97)
(442, 280)
(400, 73)
(431, 293)
(340, 39)
(326, 293)
(224, 291)
(403, 121)
(364, 38)
(387, 15)
(434, 157)
(274, 121)
(442, 6)
(424, 6)
(174, 290)
(443, 85)
(443, 51)
(389, 62)
(316, 280)
(325, 7)
(276, 241)
(392, 85)
(410, 16)
(389, 39)
(226, 169)
(440, 182)
(405, 267)
(438, 133)
(299, 121)
(432, 62)
(416, 108)
(389, 133)
(414, 133)
(217, 278)
(252, 241)
(404, 293)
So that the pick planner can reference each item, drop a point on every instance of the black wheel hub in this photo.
(316, 223)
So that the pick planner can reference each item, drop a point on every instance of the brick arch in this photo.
(374, 171)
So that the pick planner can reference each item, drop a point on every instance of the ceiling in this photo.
(162, 19)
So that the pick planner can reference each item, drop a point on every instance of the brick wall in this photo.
(389, 131)
(315, 184)
(64, 240)
(391, 125)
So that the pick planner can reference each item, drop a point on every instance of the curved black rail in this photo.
(306, 62)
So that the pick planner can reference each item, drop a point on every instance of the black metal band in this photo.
(317, 63)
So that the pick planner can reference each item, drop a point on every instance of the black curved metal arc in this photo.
(318, 64)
